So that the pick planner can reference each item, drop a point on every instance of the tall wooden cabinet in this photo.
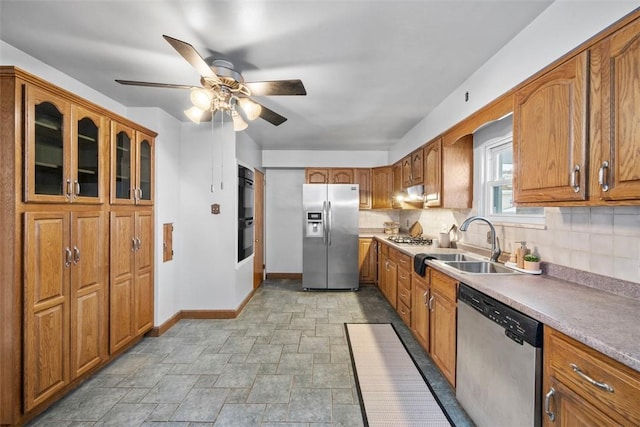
(131, 276)
(433, 173)
(56, 300)
(66, 288)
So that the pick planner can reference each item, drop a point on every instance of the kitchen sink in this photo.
(452, 257)
(480, 267)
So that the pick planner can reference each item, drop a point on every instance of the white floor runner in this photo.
(393, 391)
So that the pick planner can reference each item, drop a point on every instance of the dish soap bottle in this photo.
(520, 253)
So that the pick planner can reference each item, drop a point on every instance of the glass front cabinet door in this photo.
(145, 172)
(89, 136)
(65, 153)
(47, 168)
(132, 166)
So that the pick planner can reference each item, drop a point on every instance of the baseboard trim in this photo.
(159, 330)
(199, 314)
(293, 276)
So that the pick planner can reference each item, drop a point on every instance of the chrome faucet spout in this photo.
(495, 245)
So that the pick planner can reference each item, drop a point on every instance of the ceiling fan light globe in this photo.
(201, 98)
(251, 109)
(238, 123)
(194, 114)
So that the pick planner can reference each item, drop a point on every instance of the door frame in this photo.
(258, 228)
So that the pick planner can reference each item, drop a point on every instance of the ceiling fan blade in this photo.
(276, 87)
(150, 84)
(271, 116)
(192, 56)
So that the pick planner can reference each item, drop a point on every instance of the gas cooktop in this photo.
(408, 240)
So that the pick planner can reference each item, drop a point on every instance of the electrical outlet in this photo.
(489, 240)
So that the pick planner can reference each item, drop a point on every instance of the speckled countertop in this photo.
(605, 321)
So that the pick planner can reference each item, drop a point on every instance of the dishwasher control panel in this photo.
(518, 326)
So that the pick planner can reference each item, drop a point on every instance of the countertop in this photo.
(605, 321)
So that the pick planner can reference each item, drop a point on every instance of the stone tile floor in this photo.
(284, 361)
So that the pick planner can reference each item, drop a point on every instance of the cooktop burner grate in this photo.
(408, 240)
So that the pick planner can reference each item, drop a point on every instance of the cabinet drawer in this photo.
(444, 284)
(393, 254)
(404, 287)
(566, 356)
(404, 261)
(405, 313)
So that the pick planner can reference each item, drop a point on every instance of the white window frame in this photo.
(488, 152)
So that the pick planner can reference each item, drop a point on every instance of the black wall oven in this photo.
(245, 212)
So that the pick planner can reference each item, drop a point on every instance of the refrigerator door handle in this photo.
(324, 223)
(330, 224)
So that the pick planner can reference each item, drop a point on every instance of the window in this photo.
(497, 188)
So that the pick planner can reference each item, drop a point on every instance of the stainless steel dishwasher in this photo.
(499, 362)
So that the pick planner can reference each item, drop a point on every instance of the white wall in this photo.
(318, 158)
(560, 28)
(167, 193)
(283, 220)
(9, 55)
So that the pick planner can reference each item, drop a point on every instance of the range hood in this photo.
(414, 193)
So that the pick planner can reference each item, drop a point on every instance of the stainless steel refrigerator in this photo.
(330, 236)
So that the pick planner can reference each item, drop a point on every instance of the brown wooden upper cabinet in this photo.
(412, 169)
(396, 182)
(363, 179)
(341, 176)
(433, 173)
(329, 176)
(132, 166)
(66, 154)
(615, 118)
(550, 135)
(316, 176)
(382, 179)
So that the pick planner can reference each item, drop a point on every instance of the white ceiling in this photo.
(372, 69)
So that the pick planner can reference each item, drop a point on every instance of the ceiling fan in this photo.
(224, 89)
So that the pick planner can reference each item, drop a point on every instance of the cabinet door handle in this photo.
(431, 303)
(602, 176)
(76, 255)
(138, 243)
(139, 193)
(68, 257)
(575, 179)
(547, 404)
(133, 244)
(68, 192)
(587, 378)
(424, 297)
(77, 188)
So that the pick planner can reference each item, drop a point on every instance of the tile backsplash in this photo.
(601, 240)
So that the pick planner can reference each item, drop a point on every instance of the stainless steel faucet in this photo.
(495, 245)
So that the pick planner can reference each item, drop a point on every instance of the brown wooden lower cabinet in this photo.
(442, 323)
(65, 327)
(420, 310)
(131, 276)
(583, 387)
(367, 260)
